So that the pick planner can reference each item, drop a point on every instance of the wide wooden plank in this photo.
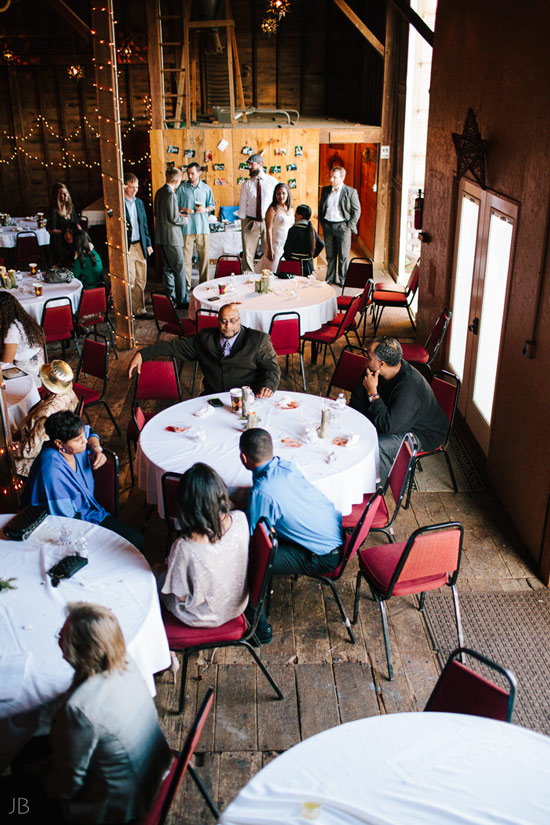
(310, 627)
(272, 735)
(189, 808)
(236, 708)
(356, 691)
(236, 769)
(341, 648)
(317, 698)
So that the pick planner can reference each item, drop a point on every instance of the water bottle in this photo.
(341, 402)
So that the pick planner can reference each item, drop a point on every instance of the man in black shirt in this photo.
(398, 400)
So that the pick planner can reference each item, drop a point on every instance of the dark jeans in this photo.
(337, 248)
(173, 273)
(126, 531)
(293, 558)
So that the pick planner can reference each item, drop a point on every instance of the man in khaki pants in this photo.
(195, 199)
(139, 245)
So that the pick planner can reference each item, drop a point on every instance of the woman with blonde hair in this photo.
(61, 213)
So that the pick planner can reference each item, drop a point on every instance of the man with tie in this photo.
(256, 197)
(139, 245)
(229, 355)
(339, 211)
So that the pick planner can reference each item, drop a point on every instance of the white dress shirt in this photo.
(247, 201)
(332, 210)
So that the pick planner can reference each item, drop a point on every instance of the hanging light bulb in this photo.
(269, 25)
(75, 71)
(278, 7)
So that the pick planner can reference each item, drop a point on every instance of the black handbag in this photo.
(58, 275)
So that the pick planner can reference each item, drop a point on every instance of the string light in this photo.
(278, 8)
(76, 72)
(269, 24)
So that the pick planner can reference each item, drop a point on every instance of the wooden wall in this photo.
(500, 66)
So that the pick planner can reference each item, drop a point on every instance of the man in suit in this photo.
(255, 200)
(168, 234)
(139, 245)
(229, 356)
(339, 211)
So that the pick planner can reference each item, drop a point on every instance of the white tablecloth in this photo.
(344, 480)
(95, 213)
(34, 305)
(225, 243)
(8, 234)
(315, 301)
(21, 394)
(32, 670)
(404, 769)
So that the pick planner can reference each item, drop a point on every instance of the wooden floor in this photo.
(325, 680)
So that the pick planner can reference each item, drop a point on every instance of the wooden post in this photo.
(381, 233)
(229, 26)
(18, 129)
(156, 78)
(110, 144)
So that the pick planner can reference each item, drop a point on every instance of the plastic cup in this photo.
(236, 399)
(33, 268)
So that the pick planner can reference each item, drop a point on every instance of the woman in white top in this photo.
(278, 220)
(205, 583)
(22, 338)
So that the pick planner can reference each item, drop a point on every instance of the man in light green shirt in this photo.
(195, 200)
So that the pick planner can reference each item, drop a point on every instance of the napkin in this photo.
(203, 411)
(348, 440)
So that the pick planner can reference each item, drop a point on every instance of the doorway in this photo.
(484, 246)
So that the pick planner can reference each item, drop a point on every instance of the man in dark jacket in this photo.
(168, 224)
(339, 211)
(139, 245)
(229, 356)
(398, 400)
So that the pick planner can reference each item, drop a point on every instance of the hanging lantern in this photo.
(8, 56)
(76, 72)
(269, 25)
(278, 7)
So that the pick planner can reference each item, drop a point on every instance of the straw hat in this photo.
(57, 377)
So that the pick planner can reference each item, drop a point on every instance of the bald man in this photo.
(229, 355)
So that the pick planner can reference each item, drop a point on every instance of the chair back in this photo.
(430, 552)
(169, 484)
(400, 472)
(27, 247)
(261, 555)
(360, 270)
(94, 359)
(139, 419)
(80, 407)
(163, 309)
(348, 371)
(446, 388)
(57, 319)
(437, 334)
(460, 689)
(228, 265)
(285, 332)
(206, 318)
(412, 284)
(170, 786)
(158, 380)
(348, 317)
(84, 222)
(289, 268)
(106, 483)
(353, 542)
(92, 306)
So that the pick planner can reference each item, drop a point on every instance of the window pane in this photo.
(492, 310)
(463, 284)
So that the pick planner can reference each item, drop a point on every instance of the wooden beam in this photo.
(19, 129)
(62, 118)
(39, 80)
(74, 21)
(238, 76)
(156, 78)
(415, 20)
(230, 62)
(360, 26)
(210, 24)
(185, 63)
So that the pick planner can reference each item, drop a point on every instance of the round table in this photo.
(35, 304)
(8, 234)
(428, 768)
(33, 673)
(313, 300)
(343, 474)
(21, 394)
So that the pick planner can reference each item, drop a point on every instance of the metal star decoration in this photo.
(470, 150)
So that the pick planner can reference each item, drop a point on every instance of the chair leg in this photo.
(184, 664)
(194, 378)
(129, 445)
(338, 600)
(110, 330)
(409, 488)
(460, 632)
(411, 319)
(303, 372)
(204, 793)
(384, 615)
(451, 473)
(110, 414)
(358, 580)
(263, 668)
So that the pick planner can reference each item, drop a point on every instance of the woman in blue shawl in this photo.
(61, 476)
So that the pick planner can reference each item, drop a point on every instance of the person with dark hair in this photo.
(61, 477)
(308, 526)
(398, 400)
(87, 265)
(339, 211)
(254, 201)
(67, 246)
(22, 338)
(278, 220)
(205, 581)
(61, 213)
(303, 243)
(139, 245)
(168, 224)
(195, 199)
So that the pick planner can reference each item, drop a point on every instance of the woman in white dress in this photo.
(22, 338)
(278, 220)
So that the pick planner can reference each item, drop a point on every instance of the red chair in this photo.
(106, 483)
(348, 371)
(182, 762)
(167, 319)
(27, 249)
(351, 545)
(289, 268)
(204, 318)
(398, 482)
(366, 300)
(227, 265)
(427, 561)
(92, 310)
(94, 361)
(462, 690)
(237, 632)
(285, 337)
(425, 355)
(57, 323)
(157, 381)
(360, 271)
(446, 388)
(382, 298)
(328, 334)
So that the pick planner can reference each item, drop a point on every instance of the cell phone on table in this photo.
(213, 299)
(13, 372)
(215, 402)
